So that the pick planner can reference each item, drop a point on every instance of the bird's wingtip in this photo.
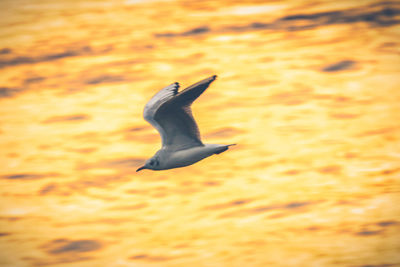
(176, 87)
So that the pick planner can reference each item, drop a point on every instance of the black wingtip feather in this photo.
(188, 95)
(177, 85)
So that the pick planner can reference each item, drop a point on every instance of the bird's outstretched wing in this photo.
(170, 113)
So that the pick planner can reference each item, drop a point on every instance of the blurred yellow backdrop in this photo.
(309, 90)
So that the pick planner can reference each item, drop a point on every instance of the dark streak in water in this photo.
(21, 60)
(27, 176)
(377, 265)
(67, 118)
(368, 233)
(196, 31)
(191, 32)
(136, 129)
(11, 218)
(264, 208)
(234, 203)
(387, 223)
(381, 16)
(390, 171)
(330, 169)
(341, 65)
(33, 80)
(47, 188)
(63, 259)
(5, 51)
(292, 172)
(313, 228)
(6, 92)
(149, 257)
(60, 246)
(4, 234)
(293, 206)
(105, 79)
(212, 183)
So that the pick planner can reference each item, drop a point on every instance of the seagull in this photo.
(170, 113)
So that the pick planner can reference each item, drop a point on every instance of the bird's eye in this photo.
(153, 162)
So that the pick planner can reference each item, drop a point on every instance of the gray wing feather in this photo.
(180, 128)
(170, 113)
(155, 102)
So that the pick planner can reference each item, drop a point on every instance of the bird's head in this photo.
(151, 164)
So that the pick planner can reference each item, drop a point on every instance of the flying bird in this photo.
(170, 113)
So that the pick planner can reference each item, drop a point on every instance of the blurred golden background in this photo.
(309, 90)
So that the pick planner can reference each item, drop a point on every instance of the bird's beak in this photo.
(141, 168)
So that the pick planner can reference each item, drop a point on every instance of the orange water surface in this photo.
(309, 90)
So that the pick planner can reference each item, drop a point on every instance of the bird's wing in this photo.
(170, 113)
(155, 102)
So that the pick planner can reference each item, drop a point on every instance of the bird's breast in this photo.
(189, 156)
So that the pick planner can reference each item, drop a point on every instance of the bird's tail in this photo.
(224, 148)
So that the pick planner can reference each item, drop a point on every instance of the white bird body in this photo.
(186, 157)
(169, 112)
